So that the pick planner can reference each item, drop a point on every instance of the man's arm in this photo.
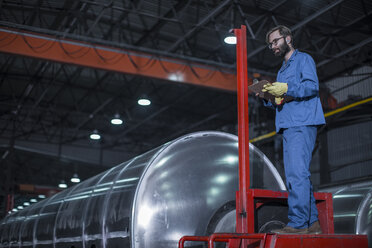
(308, 85)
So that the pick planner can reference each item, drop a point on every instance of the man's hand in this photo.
(279, 100)
(276, 89)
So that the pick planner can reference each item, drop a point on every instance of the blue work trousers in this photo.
(298, 144)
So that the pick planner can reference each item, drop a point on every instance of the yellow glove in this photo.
(276, 89)
(265, 86)
(279, 100)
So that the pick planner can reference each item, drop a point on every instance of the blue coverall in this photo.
(297, 120)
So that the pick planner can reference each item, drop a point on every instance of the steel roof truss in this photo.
(205, 20)
(301, 24)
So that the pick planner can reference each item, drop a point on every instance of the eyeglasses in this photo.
(275, 42)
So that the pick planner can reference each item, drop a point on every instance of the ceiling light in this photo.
(230, 40)
(144, 102)
(26, 204)
(33, 200)
(75, 178)
(41, 196)
(95, 135)
(20, 207)
(116, 120)
(14, 210)
(178, 77)
(62, 185)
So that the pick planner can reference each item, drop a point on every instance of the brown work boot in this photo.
(290, 230)
(314, 228)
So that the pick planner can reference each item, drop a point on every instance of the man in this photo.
(297, 120)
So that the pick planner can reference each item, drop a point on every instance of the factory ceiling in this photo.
(52, 101)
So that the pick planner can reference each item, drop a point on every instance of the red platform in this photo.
(255, 199)
(258, 197)
(270, 240)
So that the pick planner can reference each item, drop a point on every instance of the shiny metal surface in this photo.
(352, 207)
(151, 200)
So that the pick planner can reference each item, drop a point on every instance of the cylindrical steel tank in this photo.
(151, 200)
(352, 208)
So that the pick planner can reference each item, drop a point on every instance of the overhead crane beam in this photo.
(40, 46)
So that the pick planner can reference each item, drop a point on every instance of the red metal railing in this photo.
(223, 237)
(243, 130)
(271, 240)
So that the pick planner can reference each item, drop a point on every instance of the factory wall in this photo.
(357, 85)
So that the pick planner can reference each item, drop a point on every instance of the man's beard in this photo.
(283, 49)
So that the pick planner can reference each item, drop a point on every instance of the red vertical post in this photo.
(243, 130)
(9, 202)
